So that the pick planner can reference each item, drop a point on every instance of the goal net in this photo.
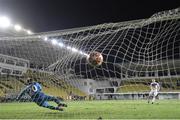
(134, 52)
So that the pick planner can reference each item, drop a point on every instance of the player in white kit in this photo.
(154, 90)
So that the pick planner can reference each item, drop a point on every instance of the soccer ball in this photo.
(95, 58)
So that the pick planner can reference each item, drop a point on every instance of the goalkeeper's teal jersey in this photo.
(33, 90)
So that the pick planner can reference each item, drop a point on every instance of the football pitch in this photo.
(106, 109)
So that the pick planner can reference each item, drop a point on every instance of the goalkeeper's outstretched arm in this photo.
(23, 91)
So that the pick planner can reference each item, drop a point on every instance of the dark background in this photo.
(49, 15)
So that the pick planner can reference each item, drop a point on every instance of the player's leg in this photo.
(150, 95)
(56, 100)
(42, 101)
(154, 96)
(47, 105)
(153, 100)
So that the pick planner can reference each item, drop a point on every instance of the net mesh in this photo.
(134, 52)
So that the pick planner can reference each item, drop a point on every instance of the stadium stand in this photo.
(51, 84)
(167, 84)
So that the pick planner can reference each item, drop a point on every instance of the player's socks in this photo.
(153, 100)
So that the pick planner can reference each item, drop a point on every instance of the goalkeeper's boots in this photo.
(62, 105)
(60, 109)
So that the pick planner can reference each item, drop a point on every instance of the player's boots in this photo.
(62, 105)
(59, 108)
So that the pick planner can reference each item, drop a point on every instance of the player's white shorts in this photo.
(153, 93)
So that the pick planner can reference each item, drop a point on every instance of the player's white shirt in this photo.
(154, 89)
(155, 86)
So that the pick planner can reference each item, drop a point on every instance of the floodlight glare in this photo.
(80, 52)
(74, 49)
(60, 44)
(4, 22)
(68, 47)
(86, 54)
(29, 32)
(45, 39)
(54, 42)
(17, 27)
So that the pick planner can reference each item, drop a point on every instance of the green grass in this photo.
(112, 109)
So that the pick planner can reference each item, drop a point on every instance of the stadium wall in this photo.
(136, 96)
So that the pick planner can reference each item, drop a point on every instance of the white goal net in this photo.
(134, 53)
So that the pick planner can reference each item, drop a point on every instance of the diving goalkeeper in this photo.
(34, 90)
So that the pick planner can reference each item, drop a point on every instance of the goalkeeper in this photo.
(34, 90)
